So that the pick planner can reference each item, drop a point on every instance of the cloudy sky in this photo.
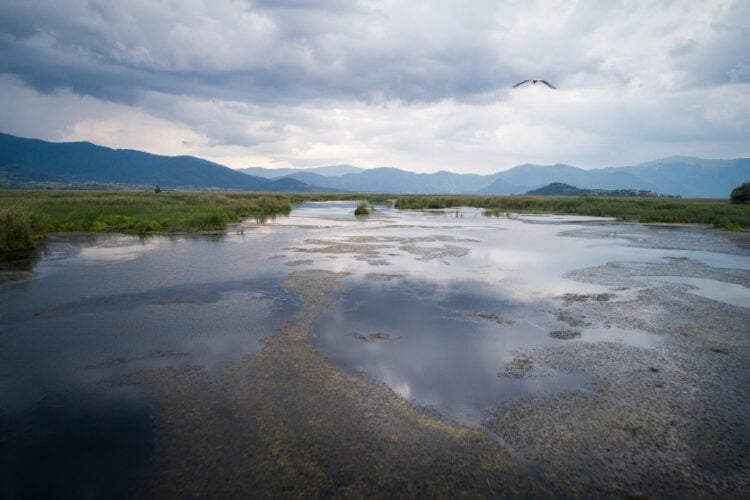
(422, 85)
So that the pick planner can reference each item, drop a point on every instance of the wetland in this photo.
(433, 352)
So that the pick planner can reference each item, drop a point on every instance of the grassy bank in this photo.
(719, 213)
(27, 216)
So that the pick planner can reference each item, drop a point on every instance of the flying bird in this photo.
(533, 82)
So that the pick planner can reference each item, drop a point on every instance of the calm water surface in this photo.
(436, 304)
(97, 308)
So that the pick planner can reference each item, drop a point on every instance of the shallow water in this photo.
(440, 351)
(438, 305)
(100, 306)
(437, 353)
(97, 308)
(729, 293)
(77, 446)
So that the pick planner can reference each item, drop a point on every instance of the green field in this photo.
(27, 216)
(718, 213)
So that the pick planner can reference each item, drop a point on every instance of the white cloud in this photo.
(419, 85)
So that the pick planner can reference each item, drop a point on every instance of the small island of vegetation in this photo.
(362, 209)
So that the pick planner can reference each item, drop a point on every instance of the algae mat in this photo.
(285, 422)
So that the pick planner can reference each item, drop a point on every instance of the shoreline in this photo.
(28, 216)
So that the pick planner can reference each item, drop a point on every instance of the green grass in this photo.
(362, 209)
(370, 198)
(17, 229)
(719, 213)
(26, 216)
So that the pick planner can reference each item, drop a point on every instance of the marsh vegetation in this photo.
(718, 213)
(17, 229)
(362, 209)
(27, 216)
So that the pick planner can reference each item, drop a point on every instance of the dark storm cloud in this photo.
(725, 57)
(282, 51)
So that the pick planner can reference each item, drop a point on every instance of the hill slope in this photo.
(394, 180)
(526, 177)
(680, 176)
(560, 189)
(692, 177)
(275, 173)
(81, 163)
(30, 161)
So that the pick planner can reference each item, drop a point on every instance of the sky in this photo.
(419, 85)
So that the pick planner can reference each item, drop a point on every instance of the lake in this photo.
(405, 351)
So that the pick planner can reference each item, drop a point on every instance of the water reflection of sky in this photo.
(98, 307)
(151, 303)
(729, 293)
(438, 354)
(103, 305)
(529, 259)
(515, 267)
(89, 308)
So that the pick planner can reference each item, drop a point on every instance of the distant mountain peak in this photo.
(64, 163)
(328, 170)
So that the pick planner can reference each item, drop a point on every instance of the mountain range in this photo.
(330, 171)
(35, 163)
(676, 175)
(32, 162)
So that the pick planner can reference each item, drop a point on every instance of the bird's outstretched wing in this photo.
(521, 83)
(548, 84)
